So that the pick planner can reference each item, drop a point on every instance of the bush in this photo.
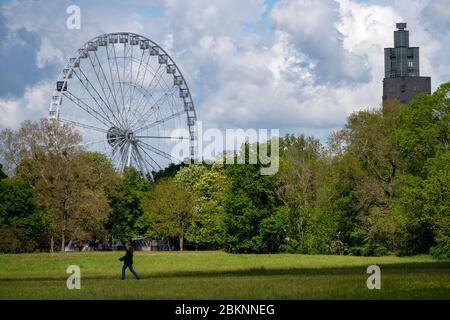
(442, 249)
(380, 251)
(272, 231)
(14, 240)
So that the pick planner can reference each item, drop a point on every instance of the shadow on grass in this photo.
(392, 268)
(395, 268)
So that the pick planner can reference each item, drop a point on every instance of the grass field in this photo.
(217, 275)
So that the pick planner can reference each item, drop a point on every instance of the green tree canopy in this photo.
(168, 210)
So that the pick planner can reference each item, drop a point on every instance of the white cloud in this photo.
(313, 27)
(167, 43)
(47, 53)
(33, 105)
(319, 61)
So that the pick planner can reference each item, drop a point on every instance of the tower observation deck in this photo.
(402, 80)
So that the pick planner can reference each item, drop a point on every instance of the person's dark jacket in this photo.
(128, 257)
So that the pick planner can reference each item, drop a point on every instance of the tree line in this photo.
(378, 186)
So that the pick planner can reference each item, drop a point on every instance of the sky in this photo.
(300, 66)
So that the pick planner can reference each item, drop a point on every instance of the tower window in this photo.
(402, 88)
(410, 64)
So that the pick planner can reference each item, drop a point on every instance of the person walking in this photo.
(128, 261)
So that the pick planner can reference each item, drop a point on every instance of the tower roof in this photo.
(401, 25)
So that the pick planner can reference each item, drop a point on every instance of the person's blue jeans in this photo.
(130, 266)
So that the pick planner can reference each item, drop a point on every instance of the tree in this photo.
(340, 199)
(46, 139)
(423, 129)
(34, 151)
(14, 240)
(423, 139)
(250, 204)
(369, 137)
(65, 185)
(168, 210)
(368, 142)
(23, 225)
(70, 196)
(299, 182)
(190, 176)
(436, 202)
(16, 202)
(125, 197)
(423, 209)
(169, 172)
(209, 187)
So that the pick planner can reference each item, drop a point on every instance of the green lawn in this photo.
(217, 275)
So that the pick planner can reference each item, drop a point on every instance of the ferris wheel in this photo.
(129, 100)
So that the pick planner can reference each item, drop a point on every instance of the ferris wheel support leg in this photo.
(129, 156)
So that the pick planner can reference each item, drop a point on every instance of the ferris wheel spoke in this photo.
(123, 156)
(119, 161)
(118, 75)
(115, 156)
(88, 86)
(140, 82)
(161, 100)
(137, 77)
(103, 82)
(128, 85)
(126, 65)
(160, 121)
(84, 106)
(141, 102)
(82, 125)
(140, 79)
(146, 95)
(158, 74)
(159, 152)
(90, 143)
(93, 93)
(109, 51)
(144, 161)
(150, 157)
(140, 119)
(162, 137)
(128, 155)
(130, 89)
(138, 160)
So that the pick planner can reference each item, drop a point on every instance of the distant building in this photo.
(401, 65)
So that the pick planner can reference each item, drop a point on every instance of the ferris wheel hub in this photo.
(129, 135)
